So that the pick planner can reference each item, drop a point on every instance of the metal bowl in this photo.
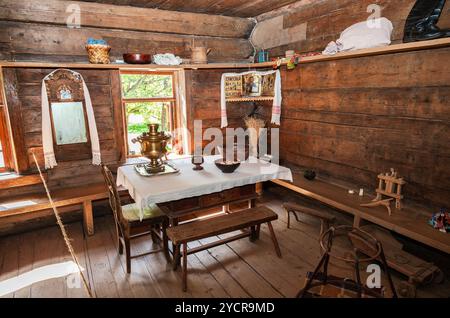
(137, 58)
(227, 167)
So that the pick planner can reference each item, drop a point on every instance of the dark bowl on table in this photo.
(136, 58)
(226, 167)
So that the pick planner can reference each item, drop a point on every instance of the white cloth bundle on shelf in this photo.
(362, 35)
(167, 59)
(333, 48)
(47, 132)
(276, 106)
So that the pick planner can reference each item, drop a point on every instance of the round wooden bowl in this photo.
(137, 58)
(226, 167)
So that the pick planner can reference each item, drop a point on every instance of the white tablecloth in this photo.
(189, 183)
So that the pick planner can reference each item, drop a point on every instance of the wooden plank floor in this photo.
(237, 269)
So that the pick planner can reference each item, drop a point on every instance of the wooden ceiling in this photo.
(236, 8)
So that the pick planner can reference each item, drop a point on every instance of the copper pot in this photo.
(153, 146)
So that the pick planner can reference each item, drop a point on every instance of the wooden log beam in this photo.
(30, 41)
(325, 20)
(256, 7)
(124, 18)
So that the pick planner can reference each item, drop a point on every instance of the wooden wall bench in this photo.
(82, 196)
(408, 222)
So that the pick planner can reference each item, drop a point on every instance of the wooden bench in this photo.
(325, 218)
(250, 218)
(409, 222)
(84, 196)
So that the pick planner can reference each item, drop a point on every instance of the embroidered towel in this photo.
(47, 133)
(276, 106)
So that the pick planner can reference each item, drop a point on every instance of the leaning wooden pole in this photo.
(64, 232)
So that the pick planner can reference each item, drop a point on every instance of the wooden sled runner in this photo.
(417, 270)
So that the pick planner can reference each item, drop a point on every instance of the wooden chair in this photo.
(128, 224)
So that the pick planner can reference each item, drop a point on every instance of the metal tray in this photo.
(169, 169)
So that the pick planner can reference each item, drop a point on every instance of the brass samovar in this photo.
(153, 146)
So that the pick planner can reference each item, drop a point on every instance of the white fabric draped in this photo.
(362, 35)
(276, 107)
(181, 125)
(47, 132)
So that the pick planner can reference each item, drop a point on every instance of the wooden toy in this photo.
(390, 186)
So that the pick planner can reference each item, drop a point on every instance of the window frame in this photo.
(5, 140)
(171, 100)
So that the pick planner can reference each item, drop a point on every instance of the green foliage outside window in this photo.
(146, 86)
(138, 86)
(138, 90)
(152, 113)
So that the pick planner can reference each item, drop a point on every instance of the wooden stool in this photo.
(325, 218)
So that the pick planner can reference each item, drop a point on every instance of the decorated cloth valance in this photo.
(276, 107)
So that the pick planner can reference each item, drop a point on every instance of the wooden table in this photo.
(189, 185)
(408, 222)
(189, 191)
(185, 207)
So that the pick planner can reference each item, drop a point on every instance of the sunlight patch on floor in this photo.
(40, 274)
(18, 204)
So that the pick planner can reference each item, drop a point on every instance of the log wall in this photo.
(204, 96)
(25, 84)
(38, 30)
(352, 119)
(348, 119)
(204, 100)
(322, 21)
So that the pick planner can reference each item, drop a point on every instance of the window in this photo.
(6, 157)
(148, 97)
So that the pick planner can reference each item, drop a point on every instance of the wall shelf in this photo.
(391, 49)
(250, 99)
(124, 66)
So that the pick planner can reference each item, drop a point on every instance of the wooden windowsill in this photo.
(394, 48)
(12, 180)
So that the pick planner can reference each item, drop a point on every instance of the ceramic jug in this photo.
(200, 55)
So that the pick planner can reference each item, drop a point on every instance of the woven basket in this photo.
(98, 54)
